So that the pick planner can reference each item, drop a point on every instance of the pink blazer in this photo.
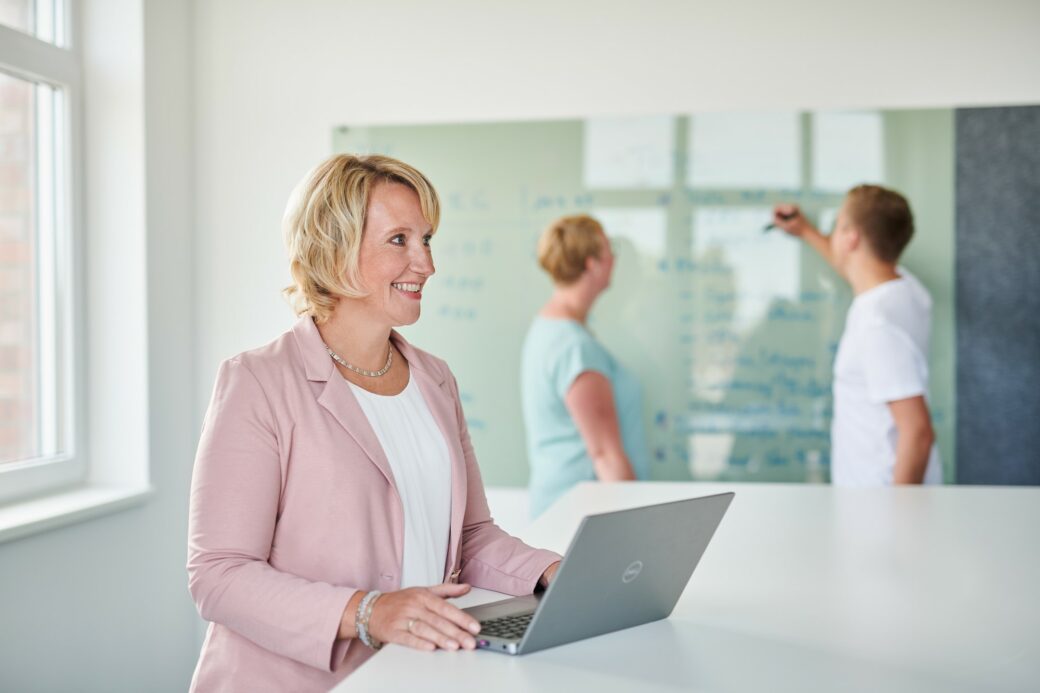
(294, 508)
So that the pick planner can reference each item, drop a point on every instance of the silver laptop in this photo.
(622, 569)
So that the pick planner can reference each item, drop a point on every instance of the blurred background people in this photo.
(882, 432)
(582, 409)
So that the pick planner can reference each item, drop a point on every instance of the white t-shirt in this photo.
(421, 466)
(882, 357)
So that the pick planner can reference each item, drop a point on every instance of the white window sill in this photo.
(41, 514)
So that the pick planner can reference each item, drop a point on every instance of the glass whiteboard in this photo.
(731, 329)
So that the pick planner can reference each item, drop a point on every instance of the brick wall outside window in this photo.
(18, 395)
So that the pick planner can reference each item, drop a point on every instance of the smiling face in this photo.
(395, 259)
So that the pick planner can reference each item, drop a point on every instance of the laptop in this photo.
(622, 569)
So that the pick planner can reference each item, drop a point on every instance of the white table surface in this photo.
(803, 588)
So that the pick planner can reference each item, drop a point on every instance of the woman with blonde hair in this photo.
(582, 408)
(336, 501)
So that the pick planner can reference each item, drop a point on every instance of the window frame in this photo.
(24, 56)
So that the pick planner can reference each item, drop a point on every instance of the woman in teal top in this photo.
(582, 409)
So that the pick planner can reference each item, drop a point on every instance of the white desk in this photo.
(804, 588)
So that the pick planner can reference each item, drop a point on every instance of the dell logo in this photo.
(632, 571)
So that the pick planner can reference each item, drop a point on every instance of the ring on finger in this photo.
(411, 622)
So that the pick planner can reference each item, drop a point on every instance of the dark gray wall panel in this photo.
(998, 295)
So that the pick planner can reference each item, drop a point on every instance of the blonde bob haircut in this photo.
(566, 244)
(324, 222)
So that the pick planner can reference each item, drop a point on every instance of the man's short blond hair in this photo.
(324, 221)
(566, 244)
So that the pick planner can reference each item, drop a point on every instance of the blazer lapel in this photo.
(339, 401)
(336, 397)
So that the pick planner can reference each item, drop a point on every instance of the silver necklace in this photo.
(361, 371)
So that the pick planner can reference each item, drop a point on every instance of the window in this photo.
(44, 20)
(39, 82)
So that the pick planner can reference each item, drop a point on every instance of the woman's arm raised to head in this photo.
(590, 401)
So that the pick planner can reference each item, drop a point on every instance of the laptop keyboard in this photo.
(508, 627)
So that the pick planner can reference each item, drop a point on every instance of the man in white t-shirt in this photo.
(882, 430)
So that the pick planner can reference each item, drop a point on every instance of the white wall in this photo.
(103, 605)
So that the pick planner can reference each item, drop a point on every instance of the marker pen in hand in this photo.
(785, 217)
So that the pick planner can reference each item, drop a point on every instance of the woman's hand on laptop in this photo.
(419, 617)
(549, 574)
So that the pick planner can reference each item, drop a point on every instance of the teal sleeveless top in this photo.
(555, 352)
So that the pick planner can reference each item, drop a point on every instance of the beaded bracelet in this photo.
(375, 644)
(360, 623)
(360, 619)
(364, 613)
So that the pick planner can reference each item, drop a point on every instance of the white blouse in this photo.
(419, 460)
